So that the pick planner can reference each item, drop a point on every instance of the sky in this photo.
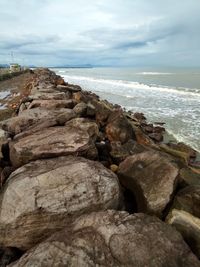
(100, 32)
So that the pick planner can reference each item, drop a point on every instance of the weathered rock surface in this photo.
(188, 177)
(49, 96)
(189, 226)
(120, 152)
(42, 196)
(119, 128)
(52, 104)
(113, 238)
(53, 142)
(188, 199)
(152, 178)
(32, 118)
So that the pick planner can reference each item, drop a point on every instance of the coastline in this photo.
(75, 167)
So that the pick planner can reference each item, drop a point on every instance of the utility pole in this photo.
(12, 57)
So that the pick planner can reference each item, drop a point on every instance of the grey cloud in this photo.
(101, 32)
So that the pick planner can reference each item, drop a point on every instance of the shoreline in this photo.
(78, 171)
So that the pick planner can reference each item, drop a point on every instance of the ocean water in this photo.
(163, 95)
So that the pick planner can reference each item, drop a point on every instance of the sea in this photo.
(170, 95)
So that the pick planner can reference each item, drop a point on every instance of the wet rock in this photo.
(52, 104)
(158, 137)
(118, 128)
(139, 116)
(52, 142)
(152, 178)
(113, 238)
(3, 140)
(42, 196)
(31, 118)
(188, 199)
(189, 226)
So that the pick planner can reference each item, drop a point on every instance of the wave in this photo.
(136, 85)
(154, 73)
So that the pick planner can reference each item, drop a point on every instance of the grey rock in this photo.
(115, 239)
(43, 196)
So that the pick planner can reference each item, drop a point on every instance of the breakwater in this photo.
(86, 183)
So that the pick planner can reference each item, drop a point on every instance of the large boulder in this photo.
(188, 199)
(115, 239)
(55, 141)
(41, 117)
(188, 176)
(42, 196)
(152, 178)
(52, 104)
(119, 128)
(189, 226)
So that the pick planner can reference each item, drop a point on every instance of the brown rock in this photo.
(115, 239)
(118, 128)
(184, 148)
(188, 226)
(152, 178)
(80, 109)
(43, 196)
(52, 104)
(52, 142)
(114, 168)
(69, 87)
(187, 176)
(188, 199)
(120, 152)
(158, 137)
(31, 118)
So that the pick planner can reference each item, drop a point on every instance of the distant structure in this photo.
(15, 67)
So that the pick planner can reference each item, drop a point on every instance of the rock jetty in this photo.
(86, 183)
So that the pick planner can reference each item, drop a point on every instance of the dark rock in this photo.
(188, 177)
(8, 255)
(184, 148)
(91, 111)
(80, 109)
(69, 87)
(139, 116)
(158, 137)
(118, 128)
(120, 152)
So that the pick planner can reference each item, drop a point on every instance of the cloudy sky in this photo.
(101, 32)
